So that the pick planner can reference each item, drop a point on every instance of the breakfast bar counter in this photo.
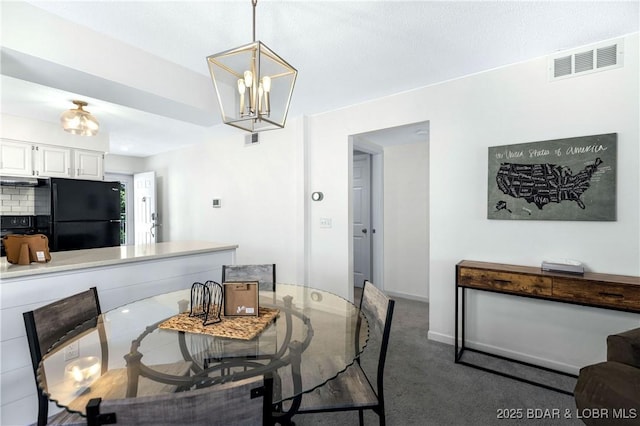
(109, 256)
(120, 274)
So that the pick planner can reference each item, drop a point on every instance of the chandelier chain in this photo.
(254, 3)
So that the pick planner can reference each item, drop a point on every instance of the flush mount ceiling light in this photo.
(79, 121)
(253, 84)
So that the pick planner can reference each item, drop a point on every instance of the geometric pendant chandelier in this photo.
(79, 121)
(253, 84)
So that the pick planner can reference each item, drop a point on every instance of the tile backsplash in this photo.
(17, 200)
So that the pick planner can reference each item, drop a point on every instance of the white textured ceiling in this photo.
(345, 52)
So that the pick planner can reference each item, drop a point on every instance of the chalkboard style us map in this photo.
(563, 179)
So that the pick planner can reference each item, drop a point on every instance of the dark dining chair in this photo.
(267, 342)
(244, 402)
(360, 386)
(265, 274)
(45, 326)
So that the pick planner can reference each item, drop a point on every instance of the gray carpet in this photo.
(423, 386)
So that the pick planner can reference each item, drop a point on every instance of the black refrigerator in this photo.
(78, 214)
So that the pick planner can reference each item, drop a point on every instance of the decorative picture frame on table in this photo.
(570, 179)
(241, 298)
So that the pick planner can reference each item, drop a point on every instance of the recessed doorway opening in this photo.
(389, 209)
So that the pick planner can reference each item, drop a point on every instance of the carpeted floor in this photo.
(423, 386)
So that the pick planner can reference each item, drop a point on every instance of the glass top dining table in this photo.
(123, 352)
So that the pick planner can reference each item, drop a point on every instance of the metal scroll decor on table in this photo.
(206, 301)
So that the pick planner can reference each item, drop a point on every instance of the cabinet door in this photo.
(88, 164)
(16, 158)
(52, 161)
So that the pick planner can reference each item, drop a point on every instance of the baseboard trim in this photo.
(439, 337)
(520, 356)
(407, 296)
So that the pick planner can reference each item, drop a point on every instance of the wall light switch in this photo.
(217, 203)
(325, 222)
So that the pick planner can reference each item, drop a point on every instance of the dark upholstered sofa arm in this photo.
(614, 385)
(609, 386)
(624, 347)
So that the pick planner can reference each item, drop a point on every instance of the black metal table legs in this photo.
(460, 348)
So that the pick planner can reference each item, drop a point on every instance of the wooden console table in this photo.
(606, 291)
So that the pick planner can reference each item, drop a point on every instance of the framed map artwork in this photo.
(562, 179)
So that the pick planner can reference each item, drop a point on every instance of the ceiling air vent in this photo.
(562, 66)
(251, 139)
(586, 60)
(583, 61)
(607, 56)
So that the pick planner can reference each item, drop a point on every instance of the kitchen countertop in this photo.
(108, 256)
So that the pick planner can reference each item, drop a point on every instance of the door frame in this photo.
(127, 180)
(377, 208)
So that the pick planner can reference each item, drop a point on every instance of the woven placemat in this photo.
(243, 328)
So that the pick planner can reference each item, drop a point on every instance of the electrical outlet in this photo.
(72, 351)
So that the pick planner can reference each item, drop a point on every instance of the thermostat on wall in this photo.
(217, 202)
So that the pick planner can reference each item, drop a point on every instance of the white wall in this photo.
(406, 220)
(504, 106)
(124, 164)
(328, 148)
(260, 192)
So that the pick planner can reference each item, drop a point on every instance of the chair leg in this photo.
(43, 410)
(361, 416)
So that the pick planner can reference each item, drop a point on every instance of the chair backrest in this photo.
(265, 274)
(378, 309)
(244, 402)
(47, 324)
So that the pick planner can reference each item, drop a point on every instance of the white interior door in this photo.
(361, 219)
(146, 216)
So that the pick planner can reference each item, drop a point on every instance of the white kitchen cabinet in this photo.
(88, 164)
(52, 161)
(16, 158)
(19, 158)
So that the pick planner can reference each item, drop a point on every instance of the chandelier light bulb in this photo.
(266, 84)
(241, 89)
(260, 93)
(248, 81)
(248, 78)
